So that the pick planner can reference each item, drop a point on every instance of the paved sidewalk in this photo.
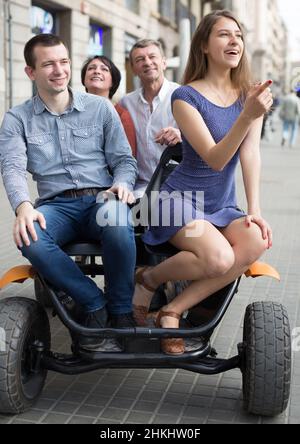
(176, 396)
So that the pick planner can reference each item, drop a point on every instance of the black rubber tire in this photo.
(267, 359)
(23, 321)
(41, 294)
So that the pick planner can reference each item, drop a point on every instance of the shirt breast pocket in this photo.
(88, 139)
(40, 149)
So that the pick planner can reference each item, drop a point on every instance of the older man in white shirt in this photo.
(150, 109)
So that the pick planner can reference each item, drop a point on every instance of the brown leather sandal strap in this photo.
(171, 314)
(162, 313)
(140, 280)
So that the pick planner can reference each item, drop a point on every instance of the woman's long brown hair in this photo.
(197, 65)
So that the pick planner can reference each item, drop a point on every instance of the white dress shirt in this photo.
(147, 125)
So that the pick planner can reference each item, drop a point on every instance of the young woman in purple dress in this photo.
(220, 115)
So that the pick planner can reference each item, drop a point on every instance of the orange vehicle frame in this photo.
(20, 273)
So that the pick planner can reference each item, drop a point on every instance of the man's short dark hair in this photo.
(114, 71)
(40, 40)
(144, 43)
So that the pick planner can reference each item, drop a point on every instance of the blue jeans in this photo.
(290, 128)
(70, 219)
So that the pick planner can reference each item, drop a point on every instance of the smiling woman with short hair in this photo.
(100, 76)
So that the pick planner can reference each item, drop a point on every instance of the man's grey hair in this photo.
(144, 43)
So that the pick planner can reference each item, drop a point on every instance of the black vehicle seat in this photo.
(170, 158)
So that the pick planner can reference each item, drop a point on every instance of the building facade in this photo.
(111, 27)
(266, 38)
(108, 27)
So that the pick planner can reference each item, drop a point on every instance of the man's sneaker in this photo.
(95, 319)
(124, 320)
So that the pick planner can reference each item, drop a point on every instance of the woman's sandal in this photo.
(170, 346)
(140, 311)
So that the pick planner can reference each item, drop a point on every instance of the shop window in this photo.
(47, 20)
(43, 21)
(100, 40)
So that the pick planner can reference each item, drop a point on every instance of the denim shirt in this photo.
(84, 147)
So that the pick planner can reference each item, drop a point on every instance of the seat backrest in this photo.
(171, 153)
(170, 158)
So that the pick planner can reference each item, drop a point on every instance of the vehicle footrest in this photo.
(141, 345)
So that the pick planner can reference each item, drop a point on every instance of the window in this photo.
(42, 21)
(133, 5)
(167, 9)
(100, 40)
(132, 82)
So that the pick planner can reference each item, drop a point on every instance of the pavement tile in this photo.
(56, 418)
(221, 414)
(104, 421)
(114, 413)
(19, 421)
(228, 393)
(32, 415)
(200, 401)
(75, 397)
(195, 412)
(92, 411)
(169, 408)
(203, 390)
(187, 378)
(136, 417)
(294, 420)
(175, 398)
(128, 392)
(5, 419)
(225, 404)
(165, 419)
(122, 403)
(65, 407)
(180, 388)
(44, 404)
(145, 406)
(150, 395)
(81, 420)
(187, 420)
(280, 419)
(157, 385)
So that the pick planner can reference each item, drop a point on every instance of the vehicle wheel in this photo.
(267, 359)
(41, 294)
(22, 323)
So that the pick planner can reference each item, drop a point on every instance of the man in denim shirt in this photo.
(74, 146)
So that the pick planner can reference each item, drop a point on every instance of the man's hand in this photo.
(123, 194)
(168, 136)
(26, 215)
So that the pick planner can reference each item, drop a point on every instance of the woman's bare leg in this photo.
(248, 246)
(206, 255)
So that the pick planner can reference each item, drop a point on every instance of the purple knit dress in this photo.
(216, 201)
